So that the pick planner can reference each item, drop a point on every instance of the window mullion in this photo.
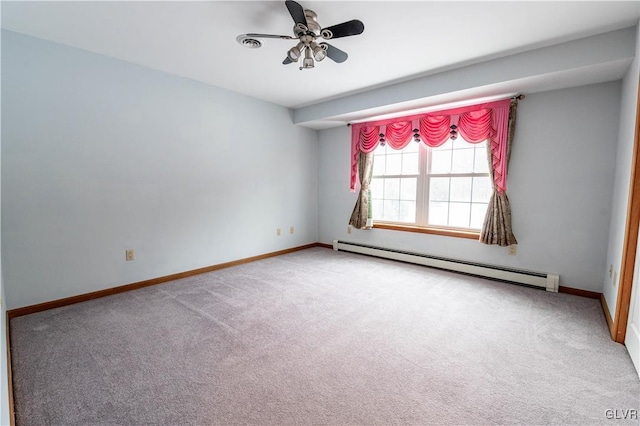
(470, 202)
(422, 201)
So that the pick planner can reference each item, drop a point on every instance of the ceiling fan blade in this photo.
(285, 37)
(349, 28)
(334, 53)
(297, 12)
(287, 61)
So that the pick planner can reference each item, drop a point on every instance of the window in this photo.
(445, 187)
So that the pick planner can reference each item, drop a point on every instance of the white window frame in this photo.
(423, 177)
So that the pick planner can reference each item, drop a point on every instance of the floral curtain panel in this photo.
(497, 222)
(362, 216)
(476, 123)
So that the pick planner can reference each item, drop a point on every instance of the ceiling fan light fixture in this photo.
(307, 62)
(295, 52)
(318, 51)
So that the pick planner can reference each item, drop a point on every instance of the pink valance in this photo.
(476, 123)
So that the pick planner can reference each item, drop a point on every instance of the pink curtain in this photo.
(474, 123)
(497, 222)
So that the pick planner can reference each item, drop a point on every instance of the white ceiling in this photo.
(401, 41)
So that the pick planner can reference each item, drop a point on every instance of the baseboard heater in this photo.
(542, 280)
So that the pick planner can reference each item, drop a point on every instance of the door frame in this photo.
(629, 248)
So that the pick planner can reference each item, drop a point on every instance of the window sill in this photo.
(472, 235)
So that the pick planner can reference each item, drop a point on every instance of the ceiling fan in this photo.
(306, 30)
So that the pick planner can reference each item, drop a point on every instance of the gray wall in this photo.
(100, 155)
(625, 140)
(560, 181)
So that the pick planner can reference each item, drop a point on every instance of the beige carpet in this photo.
(322, 337)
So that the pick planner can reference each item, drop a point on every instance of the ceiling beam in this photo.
(534, 70)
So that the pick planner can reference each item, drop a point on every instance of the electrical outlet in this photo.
(348, 229)
(615, 278)
(129, 255)
(291, 229)
(513, 250)
(278, 232)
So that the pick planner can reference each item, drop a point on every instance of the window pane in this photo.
(462, 161)
(410, 163)
(407, 211)
(377, 207)
(378, 164)
(412, 147)
(438, 213)
(447, 145)
(481, 163)
(440, 162)
(461, 143)
(408, 189)
(461, 189)
(394, 164)
(481, 189)
(390, 210)
(459, 214)
(392, 189)
(439, 189)
(478, 211)
(377, 186)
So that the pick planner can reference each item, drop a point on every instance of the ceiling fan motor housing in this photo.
(312, 22)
